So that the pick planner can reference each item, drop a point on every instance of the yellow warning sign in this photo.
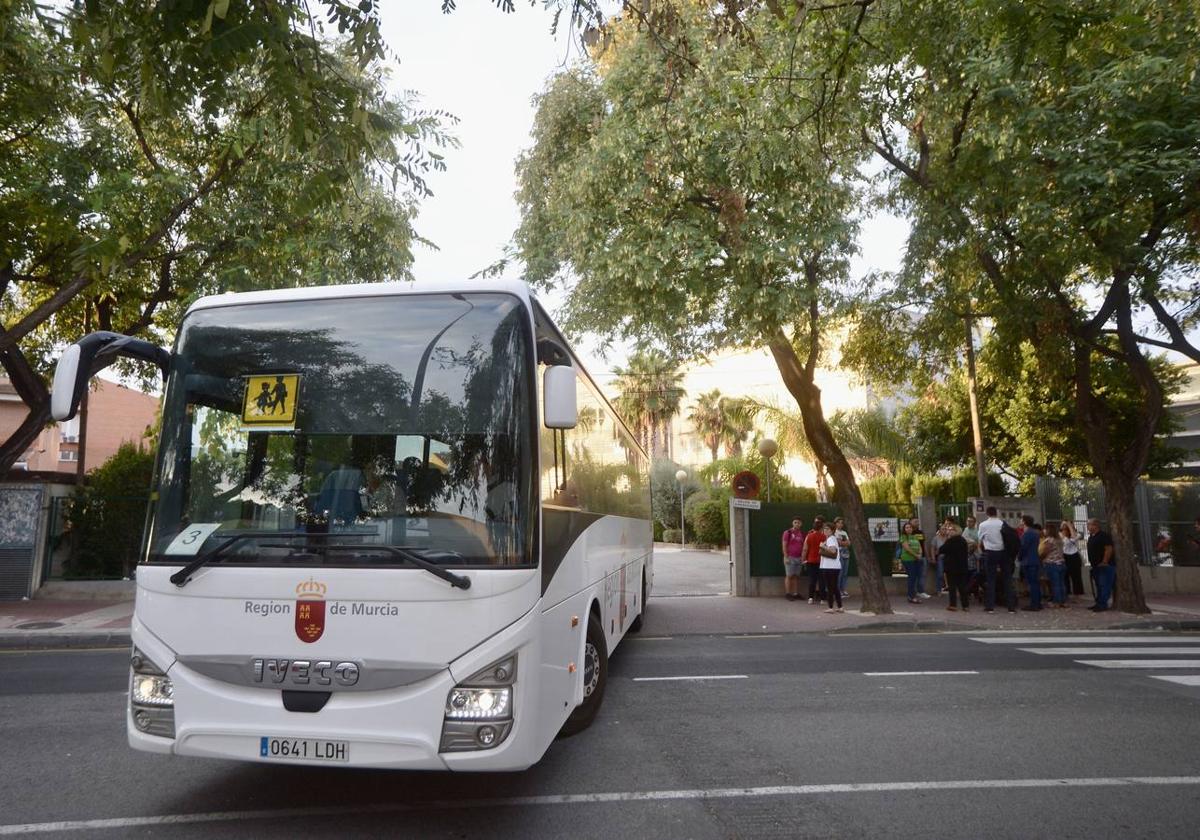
(271, 401)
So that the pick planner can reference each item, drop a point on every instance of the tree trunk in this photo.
(976, 425)
(800, 383)
(33, 392)
(1118, 508)
(1119, 471)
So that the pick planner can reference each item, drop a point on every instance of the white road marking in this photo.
(1148, 664)
(756, 636)
(1085, 651)
(1190, 679)
(1087, 640)
(699, 677)
(914, 673)
(595, 798)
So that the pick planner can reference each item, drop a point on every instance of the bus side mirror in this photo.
(90, 355)
(558, 392)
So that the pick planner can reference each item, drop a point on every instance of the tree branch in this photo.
(81, 281)
(956, 134)
(141, 137)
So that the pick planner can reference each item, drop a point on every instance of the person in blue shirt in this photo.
(1031, 563)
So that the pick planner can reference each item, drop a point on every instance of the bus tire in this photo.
(635, 626)
(595, 676)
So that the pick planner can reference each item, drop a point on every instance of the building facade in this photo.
(116, 414)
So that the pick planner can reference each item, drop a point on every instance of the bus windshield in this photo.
(313, 430)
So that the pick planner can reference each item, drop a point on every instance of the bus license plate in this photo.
(303, 749)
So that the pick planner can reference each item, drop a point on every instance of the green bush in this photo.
(905, 486)
(708, 523)
(664, 491)
(671, 535)
(658, 531)
(107, 516)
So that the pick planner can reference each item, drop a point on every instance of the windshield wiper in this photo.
(184, 575)
(458, 581)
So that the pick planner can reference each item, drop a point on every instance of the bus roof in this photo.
(403, 287)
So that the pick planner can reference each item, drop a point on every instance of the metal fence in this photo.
(94, 539)
(1165, 513)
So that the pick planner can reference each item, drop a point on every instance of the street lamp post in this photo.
(767, 448)
(681, 476)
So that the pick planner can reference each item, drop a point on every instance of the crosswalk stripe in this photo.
(1149, 664)
(1111, 651)
(1086, 640)
(1188, 679)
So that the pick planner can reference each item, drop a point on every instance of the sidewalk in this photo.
(690, 597)
(75, 623)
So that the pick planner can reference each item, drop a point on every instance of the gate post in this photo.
(739, 549)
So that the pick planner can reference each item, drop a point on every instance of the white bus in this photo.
(393, 525)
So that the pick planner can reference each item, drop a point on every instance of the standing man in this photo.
(1103, 559)
(843, 539)
(812, 559)
(1031, 563)
(793, 558)
(991, 539)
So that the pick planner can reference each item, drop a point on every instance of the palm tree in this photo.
(789, 434)
(651, 394)
(737, 417)
(870, 440)
(709, 420)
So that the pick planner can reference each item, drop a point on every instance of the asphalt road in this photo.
(805, 736)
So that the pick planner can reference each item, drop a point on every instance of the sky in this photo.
(484, 67)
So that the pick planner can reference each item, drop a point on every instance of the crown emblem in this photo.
(311, 589)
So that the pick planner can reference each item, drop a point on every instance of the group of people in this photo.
(1035, 549)
(823, 556)
(982, 560)
(973, 560)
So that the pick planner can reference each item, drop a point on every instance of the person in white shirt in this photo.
(991, 540)
(831, 567)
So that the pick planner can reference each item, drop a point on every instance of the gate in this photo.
(20, 527)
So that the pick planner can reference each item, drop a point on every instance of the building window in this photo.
(69, 429)
(68, 455)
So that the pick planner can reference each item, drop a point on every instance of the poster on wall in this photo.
(884, 529)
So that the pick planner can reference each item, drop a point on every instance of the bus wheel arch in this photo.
(594, 675)
(635, 626)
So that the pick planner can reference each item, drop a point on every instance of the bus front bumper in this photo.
(399, 728)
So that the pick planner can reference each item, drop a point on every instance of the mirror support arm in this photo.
(90, 355)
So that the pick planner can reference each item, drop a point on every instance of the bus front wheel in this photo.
(595, 675)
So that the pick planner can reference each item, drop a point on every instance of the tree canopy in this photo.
(152, 153)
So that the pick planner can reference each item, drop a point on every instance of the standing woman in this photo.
(953, 558)
(1050, 549)
(831, 568)
(1072, 557)
(910, 558)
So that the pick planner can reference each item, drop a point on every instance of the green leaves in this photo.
(157, 152)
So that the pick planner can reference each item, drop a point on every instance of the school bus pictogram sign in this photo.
(271, 400)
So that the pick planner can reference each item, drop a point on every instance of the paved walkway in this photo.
(690, 597)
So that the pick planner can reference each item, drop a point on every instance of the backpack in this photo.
(1012, 543)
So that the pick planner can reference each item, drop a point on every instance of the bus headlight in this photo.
(149, 690)
(151, 697)
(479, 710)
(478, 703)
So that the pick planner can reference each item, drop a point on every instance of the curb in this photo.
(64, 641)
